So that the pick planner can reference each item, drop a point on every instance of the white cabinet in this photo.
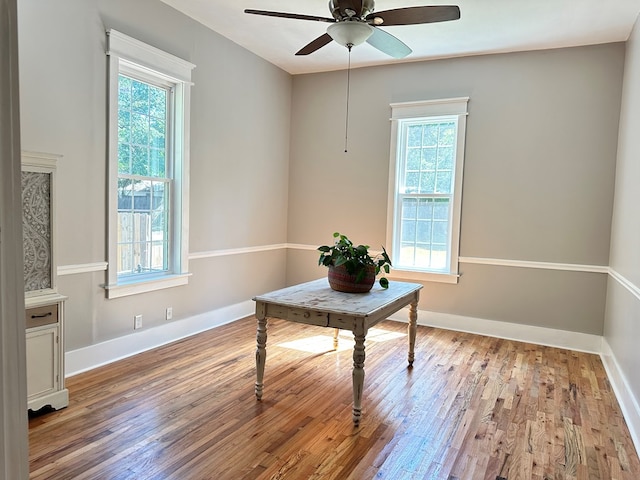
(45, 359)
(44, 307)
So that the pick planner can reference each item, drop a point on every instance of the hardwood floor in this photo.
(472, 407)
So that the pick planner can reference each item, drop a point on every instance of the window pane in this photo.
(158, 102)
(124, 92)
(141, 257)
(444, 182)
(159, 220)
(429, 158)
(125, 198)
(445, 158)
(140, 160)
(125, 227)
(430, 135)
(425, 209)
(412, 182)
(157, 132)
(413, 159)
(440, 232)
(158, 256)
(124, 158)
(125, 265)
(408, 233)
(140, 96)
(407, 253)
(414, 136)
(439, 260)
(423, 232)
(409, 208)
(139, 129)
(124, 126)
(447, 134)
(441, 209)
(427, 182)
(158, 163)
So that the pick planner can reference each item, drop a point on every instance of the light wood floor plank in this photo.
(472, 407)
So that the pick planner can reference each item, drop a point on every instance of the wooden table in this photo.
(315, 303)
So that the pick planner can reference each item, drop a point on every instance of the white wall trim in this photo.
(301, 246)
(569, 267)
(93, 356)
(628, 403)
(82, 268)
(551, 337)
(237, 251)
(633, 289)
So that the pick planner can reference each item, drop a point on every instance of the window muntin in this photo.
(425, 188)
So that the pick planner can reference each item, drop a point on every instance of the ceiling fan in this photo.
(355, 22)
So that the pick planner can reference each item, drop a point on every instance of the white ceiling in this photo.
(485, 26)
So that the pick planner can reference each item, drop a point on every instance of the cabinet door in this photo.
(42, 360)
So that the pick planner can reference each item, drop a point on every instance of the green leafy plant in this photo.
(356, 259)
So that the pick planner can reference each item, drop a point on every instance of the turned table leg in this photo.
(358, 372)
(261, 355)
(411, 330)
(336, 332)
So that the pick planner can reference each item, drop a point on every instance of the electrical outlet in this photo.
(137, 322)
(169, 313)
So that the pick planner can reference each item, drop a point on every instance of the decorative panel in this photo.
(36, 218)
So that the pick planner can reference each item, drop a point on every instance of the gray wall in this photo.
(622, 323)
(239, 156)
(538, 181)
(268, 166)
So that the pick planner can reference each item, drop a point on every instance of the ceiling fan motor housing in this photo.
(339, 9)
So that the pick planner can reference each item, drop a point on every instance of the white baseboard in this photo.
(551, 337)
(628, 403)
(87, 358)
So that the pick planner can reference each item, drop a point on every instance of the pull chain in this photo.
(346, 121)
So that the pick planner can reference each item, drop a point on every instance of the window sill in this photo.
(414, 275)
(147, 285)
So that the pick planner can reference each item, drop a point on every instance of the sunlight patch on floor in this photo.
(324, 343)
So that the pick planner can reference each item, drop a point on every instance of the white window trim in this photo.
(128, 52)
(423, 109)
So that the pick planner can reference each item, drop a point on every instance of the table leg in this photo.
(336, 332)
(411, 330)
(359, 334)
(261, 355)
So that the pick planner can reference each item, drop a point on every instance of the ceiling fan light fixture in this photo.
(350, 33)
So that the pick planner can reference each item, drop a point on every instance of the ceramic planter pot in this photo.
(341, 281)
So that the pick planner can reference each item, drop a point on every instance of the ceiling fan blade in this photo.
(415, 15)
(387, 43)
(316, 44)
(294, 16)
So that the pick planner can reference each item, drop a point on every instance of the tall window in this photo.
(426, 180)
(148, 167)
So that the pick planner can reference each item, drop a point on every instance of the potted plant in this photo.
(351, 268)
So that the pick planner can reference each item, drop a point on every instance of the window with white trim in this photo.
(148, 181)
(427, 158)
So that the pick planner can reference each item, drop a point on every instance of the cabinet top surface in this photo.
(318, 295)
